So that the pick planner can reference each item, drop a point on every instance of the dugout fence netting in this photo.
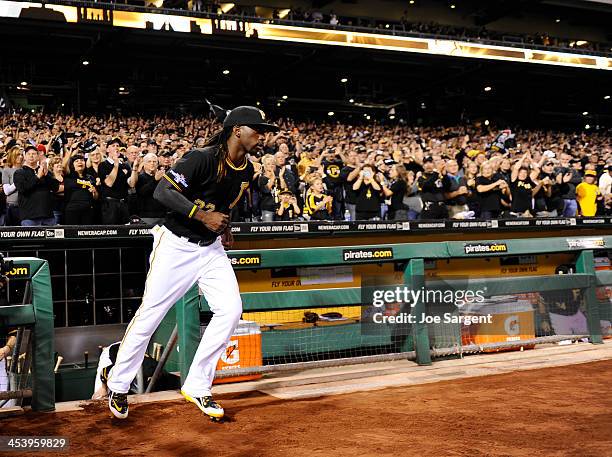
(544, 310)
(16, 347)
(16, 368)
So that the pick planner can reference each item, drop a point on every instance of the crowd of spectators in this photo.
(59, 169)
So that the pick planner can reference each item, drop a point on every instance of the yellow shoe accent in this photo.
(212, 412)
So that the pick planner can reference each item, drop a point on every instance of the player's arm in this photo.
(170, 191)
(168, 196)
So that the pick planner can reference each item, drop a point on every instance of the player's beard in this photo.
(257, 149)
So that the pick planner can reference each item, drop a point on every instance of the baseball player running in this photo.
(199, 192)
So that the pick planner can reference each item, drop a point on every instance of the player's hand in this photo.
(227, 238)
(213, 220)
(4, 352)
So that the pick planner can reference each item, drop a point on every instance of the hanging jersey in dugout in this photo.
(195, 176)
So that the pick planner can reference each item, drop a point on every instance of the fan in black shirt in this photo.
(368, 194)
(79, 194)
(288, 208)
(114, 175)
(150, 210)
(431, 190)
(348, 175)
(398, 211)
(332, 165)
(548, 201)
(522, 189)
(490, 191)
(35, 186)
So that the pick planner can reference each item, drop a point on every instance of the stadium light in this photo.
(607, 97)
(352, 100)
(488, 89)
(24, 83)
(278, 104)
(486, 122)
(585, 113)
(423, 106)
(387, 26)
(412, 2)
(226, 72)
(121, 89)
(285, 97)
(392, 117)
(452, 6)
(587, 126)
(63, 105)
(258, 103)
(331, 113)
(344, 80)
(368, 117)
(226, 7)
(557, 20)
(85, 63)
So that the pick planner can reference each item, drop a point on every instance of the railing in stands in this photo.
(394, 30)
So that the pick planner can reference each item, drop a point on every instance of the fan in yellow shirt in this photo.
(587, 194)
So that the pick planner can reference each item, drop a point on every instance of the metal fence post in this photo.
(585, 264)
(414, 277)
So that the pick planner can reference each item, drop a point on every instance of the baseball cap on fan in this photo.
(251, 116)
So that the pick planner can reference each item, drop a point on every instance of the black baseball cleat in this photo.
(207, 405)
(118, 404)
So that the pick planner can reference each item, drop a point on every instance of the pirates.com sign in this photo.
(586, 243)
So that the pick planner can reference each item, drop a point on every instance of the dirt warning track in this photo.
(563, 411)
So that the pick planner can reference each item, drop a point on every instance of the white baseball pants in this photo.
(175, 265)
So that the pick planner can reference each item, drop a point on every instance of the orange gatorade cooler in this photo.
(243, 351)
(511, 320)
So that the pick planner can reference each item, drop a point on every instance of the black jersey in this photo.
(195, 176)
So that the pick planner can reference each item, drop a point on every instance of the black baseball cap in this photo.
(88, 146)
(249, 115)
(428, 159)
(115, 141)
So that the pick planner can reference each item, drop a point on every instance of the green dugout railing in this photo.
(38, 316)
(414, 254)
